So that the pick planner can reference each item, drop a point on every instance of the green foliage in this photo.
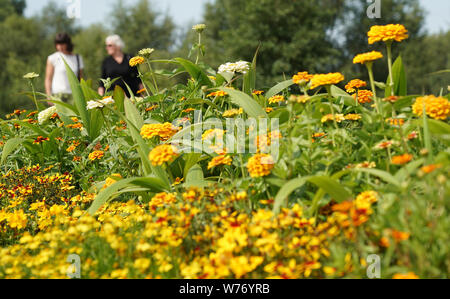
(293, 35)
(141, 26)
(356, 24)
(90, 45)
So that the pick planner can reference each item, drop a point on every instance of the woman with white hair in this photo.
(117, 66)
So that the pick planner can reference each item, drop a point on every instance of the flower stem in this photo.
(34, 95)
(369, 66)
(153, 76)
(391, 75)
(199, 48)
(330, 99)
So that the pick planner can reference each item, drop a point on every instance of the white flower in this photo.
(94, 104)
(31, 76)
(146, 52)
(235, 67)
(107, 101)
(199, 28)
(43, 116)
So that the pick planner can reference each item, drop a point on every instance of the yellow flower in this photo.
(436, 107)
(276, 99)
(367, 57)
(353, 117)
(213, 133)
(233, 113)
(353, 85)
(97, 155)
(162, 199)
(387, 33)
(257, 92)
(364, 96)
(162, 154)
(299, 99)
(142, 264)
(220, 160)
(112, 180)
(136, 61)
(329, 117)
(219, 93)
(163, 131)
(260, 165)
(302, 78)
(326, 79)
(17, 220)
(395, 121)
(409, 275)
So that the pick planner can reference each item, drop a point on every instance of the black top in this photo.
(112, 69)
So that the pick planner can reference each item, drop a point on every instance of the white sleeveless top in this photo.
(60, 83)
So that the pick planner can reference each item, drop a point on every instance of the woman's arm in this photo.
(81, 73)
(49, 72)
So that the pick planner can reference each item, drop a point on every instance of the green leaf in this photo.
(134, 124)
(279, 88)
(400, 83)
(438, 127)
(119, 98)
(426, 132)
(10, 146)
(336, 92)
(33, 127)
(250, 106)
(250, 76)
(385, 176)
(78, 97)
(287, 189)
(151, 184)
(332, 187)
(190, 160)
(195, 71)
(195, 177)
(325, 184)
(407, 170)
(201, 101)
(97, 122)
(133, 114)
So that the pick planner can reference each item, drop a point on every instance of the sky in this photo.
(187, 12)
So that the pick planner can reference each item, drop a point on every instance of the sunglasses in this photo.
(109, 46)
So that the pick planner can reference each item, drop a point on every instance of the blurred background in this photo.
(295, 35)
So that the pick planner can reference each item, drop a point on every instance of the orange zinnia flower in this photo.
(402, 160)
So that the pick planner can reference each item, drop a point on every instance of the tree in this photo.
(355, 24)
(22, 50)
(294, 35)
(90, 44)
(142, 27)
(9, 7)
(423, 59)
(55, 20)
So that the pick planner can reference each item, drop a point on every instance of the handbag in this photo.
(78, 68)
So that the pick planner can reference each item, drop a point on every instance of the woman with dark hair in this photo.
(56, 80)
(117, 65)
